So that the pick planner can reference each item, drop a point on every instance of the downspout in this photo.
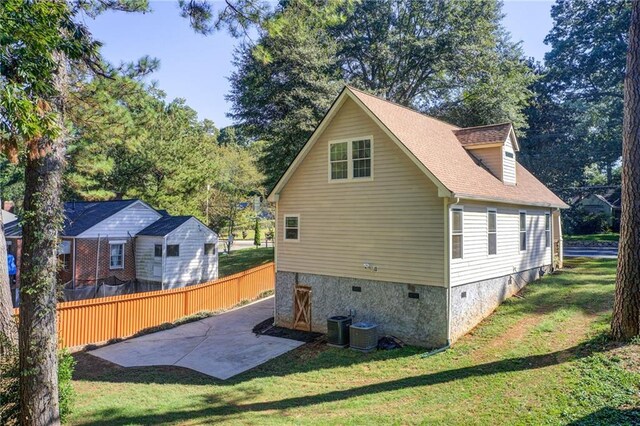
(73, 270)
(97, 259)
(164, 259)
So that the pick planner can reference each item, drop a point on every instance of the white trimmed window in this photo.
(351, 159)
(173, 250)
(456, 233)
(547, 230)
(292, 227)
(492, 231)
(523, 231)
(116, 252)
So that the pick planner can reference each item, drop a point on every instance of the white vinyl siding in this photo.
(146, 257)
(478, 265)
(394, 222)
(509, 163)
(126, 223)
(192, 266)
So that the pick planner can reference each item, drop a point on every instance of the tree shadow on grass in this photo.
(610, 416)
(215, 406)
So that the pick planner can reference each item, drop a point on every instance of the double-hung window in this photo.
(523, 231)
(492, 231)
(351, 159)
(547, 230)
(116, 255)
(292, 227)
(456, 233)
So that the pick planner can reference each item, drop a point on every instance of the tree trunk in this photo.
(626, 310)
(8, 331)
(42, 221)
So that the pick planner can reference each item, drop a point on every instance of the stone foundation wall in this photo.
(471, 303)
(419, 320)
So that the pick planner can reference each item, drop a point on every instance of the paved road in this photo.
(220, 346)
(599, 252)
(239, 245)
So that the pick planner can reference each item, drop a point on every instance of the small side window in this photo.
(547, 230)
(116, 256)
(157, 250)
(173, 250)
(291, 228)
(210, 249)
(456, 233)
(492, 231)
(523, 231)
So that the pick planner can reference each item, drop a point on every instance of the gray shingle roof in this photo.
(164, 226)
(82, 215)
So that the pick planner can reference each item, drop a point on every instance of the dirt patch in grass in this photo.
(266, 328)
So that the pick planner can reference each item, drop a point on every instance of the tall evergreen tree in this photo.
(626, 310)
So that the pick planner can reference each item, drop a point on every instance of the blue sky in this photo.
(197, 68)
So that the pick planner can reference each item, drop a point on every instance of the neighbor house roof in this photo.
(164, 226)
(7, 217)
(12, 229)
(82, 215)
(484, 135)
(434, 146)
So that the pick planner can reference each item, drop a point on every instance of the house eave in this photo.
(502, 200)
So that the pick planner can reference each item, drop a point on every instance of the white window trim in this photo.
(526, 231)
(166, 248)
(349, 143)
(492, 210)
(547, 220)
(451, 210)
(284, 229)
(116, 243)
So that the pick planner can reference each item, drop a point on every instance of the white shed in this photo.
(176, 251)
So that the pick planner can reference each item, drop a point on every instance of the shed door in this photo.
(302, 308)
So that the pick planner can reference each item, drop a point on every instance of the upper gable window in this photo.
(351, 159)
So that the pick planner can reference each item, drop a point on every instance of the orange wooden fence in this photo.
(97, 320)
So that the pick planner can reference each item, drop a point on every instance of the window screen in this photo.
(173, 250)
(456, 233)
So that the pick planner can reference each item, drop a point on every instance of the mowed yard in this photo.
(542, 358)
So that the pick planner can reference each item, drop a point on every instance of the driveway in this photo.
(598, 252)
(220, 346)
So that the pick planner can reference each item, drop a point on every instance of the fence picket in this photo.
(96, 320)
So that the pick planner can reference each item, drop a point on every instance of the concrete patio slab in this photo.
(221, 346)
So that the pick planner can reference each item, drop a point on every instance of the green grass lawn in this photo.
(593, 237)
(540, 359)
(241, 260)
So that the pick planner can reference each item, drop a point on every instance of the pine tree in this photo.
(626, 309)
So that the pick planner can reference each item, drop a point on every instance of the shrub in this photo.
(9, 386)
(66, 365)
(577, 221)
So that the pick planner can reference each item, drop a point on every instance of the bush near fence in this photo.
(98, 320)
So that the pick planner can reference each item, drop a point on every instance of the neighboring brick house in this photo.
(98, 242)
